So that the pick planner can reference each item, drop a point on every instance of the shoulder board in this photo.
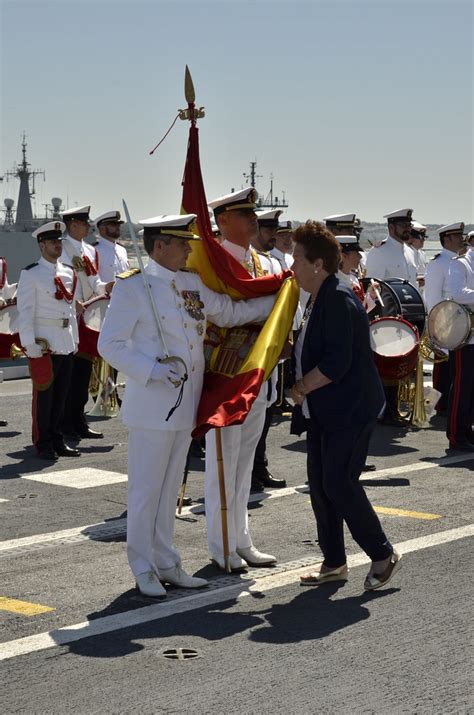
(263, 253)
(68, 265)
(32, 265)
(120, 244)
(96, 243)
(188, 270)
(435, 257)
(129, 274)
(379, 245)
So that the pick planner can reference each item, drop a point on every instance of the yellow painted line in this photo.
(24, 608)
(404, 512)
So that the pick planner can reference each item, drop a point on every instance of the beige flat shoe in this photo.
(315, 578)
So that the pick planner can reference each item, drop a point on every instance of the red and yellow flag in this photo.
(239, 359)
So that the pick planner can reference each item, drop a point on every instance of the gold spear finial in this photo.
(189, 87)
(192, 113)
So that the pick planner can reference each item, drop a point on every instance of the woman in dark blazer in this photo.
(338, 396)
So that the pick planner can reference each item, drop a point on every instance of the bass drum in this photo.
(395, 344)
(450, 325)
(400, 298)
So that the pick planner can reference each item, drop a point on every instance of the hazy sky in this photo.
(362, 106)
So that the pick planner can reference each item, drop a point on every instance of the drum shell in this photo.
(401, 298)
(393, 368)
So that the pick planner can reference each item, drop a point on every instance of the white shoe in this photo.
(236, 563)
(256, 558)
(177, 577)
(149, 585)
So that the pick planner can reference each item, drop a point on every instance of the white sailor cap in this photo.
(245, 199)
(268, 218)
(340, 220)
(470, 236)
(400, 216)
(285, 227)
(348, 243)
(53, 229)
(180, 226)
(451, 228)
(79, 213)
(108, 217)
(418, 230)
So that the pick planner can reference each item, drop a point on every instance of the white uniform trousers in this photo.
(238, 450)
(156, 461)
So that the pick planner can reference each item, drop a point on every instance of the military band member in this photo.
(46, 309)
(7, 293)
(436, 290)
(283, 249)
(158, 441)
(350, 252)
(264, 242)
(112, 255)
(237, 221)
(85, 260)
(461, 395)
(416, 243)
(393, 258)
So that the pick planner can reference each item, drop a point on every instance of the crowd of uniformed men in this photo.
(50, 296)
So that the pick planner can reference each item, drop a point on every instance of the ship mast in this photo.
(269, 201)
(24, 212)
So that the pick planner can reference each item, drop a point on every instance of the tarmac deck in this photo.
(76, 637)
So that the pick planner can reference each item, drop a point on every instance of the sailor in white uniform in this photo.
(113, 257)
(159, 436)
(235, 215)
(461, 396)
(46, 309)
(347, 273)
(85, 261)
(436, 290)
(283, 252)
(416, 243)
(393, 258)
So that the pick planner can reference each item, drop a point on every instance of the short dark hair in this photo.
(149, 241)
(318, 242)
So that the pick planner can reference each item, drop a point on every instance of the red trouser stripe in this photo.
(456, 396)
(34, 408)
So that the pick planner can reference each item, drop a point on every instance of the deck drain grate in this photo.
(180, 653)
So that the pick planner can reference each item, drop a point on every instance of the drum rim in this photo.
(467, 333)
(400, 319)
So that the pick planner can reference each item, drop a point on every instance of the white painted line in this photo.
(419, 466)
(85, 531)
(82, 478)
(4, 500)
(108, 624)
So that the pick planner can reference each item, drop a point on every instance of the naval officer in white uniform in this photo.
(235, 215)
(393, 258)
(158, 441)
(46, 309)
(113, 257)
(85, 260)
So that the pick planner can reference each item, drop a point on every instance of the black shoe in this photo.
(88, 433)
(197, 449)
(369, 468)
(62, 450)
(256, 486)
(461, 447)
(268, 480)
(3, 423)
(47, 454)
(187, 501)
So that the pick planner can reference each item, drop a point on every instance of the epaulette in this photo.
(32, 265)
(68, 265)
(437, 256)
(128, 274)
(188, 270)
(118, 244)
(263, 253)
(96, 243)
(377, 245)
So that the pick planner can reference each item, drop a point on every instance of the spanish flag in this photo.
(238, 359)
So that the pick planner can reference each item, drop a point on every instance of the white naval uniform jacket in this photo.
(129, 341)
(113, 259)
(436, 278)
(38, 307)
(461, 282)
(391, 260)
(87, 286)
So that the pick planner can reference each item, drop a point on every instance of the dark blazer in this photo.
(337, 340)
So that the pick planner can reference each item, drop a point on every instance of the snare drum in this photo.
(8, 320)
(400, 298)
(90, 323)
(450, 325)
(395, 343)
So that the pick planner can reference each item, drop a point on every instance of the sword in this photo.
(167, 358)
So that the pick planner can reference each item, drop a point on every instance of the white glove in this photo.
(167, 372)
(33, 351)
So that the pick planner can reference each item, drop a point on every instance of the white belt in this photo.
(53, 322)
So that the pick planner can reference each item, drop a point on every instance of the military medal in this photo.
(193, 304)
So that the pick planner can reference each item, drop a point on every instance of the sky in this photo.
(363, 106)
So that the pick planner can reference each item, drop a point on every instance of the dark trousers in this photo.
(48, 405)
(78, 395)
(335, 461)
(442, 383)
(461, 396)
(391, 400)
